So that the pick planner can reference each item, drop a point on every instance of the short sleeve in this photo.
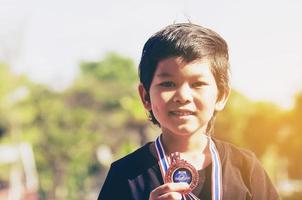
(261, 185)
(115, 186)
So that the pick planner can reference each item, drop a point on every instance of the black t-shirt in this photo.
(203, 189)
(137, 174)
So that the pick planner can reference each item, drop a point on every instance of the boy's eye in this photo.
(167, 84)
(198, 84)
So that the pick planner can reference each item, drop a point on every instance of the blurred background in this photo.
(68, 88)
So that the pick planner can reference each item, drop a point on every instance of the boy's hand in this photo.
(168, 191)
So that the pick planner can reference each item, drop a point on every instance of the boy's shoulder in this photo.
(241, 167)
(136, 155)
(134, 162)
(235, 155)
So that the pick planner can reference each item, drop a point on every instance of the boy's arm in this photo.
(115, 186)
(261, 185)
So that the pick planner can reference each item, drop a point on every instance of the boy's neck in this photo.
(196, 142)
(193, 148)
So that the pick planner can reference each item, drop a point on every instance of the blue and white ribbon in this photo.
(216, 169)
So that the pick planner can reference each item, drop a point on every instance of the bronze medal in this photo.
(181, 171)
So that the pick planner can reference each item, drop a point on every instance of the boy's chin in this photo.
(187, 131)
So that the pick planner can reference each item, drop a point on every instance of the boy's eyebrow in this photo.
(164, 74)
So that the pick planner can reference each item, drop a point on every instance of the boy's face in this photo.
(183, 96)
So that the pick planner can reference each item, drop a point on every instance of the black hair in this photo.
(191, 42)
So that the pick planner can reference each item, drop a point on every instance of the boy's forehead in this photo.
(180, 62)
(170, 66)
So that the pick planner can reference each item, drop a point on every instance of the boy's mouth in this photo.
(182, 112)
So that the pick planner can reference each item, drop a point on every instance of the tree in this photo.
(290, 141)
(231, 122)
(262, 127)
(114, 80)
(101, 107)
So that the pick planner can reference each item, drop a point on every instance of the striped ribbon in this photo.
(216, 169)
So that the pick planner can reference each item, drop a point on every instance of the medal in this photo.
(180, 171)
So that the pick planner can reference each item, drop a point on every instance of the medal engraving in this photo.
(182, 175)
(181, 171)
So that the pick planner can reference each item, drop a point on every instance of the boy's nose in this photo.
(183, 94)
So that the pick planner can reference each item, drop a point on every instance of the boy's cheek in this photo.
(167, 96)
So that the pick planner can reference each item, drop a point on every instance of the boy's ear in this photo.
(144, 97)
(222, 100)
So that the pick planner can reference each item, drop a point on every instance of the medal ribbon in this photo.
(216, 169)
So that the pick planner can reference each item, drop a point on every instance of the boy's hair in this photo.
(191, 42)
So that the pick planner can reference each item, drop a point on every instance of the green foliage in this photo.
(112, 68)
(290, 143)
(102, 107)
(71, 125)
(253, 125)
(10, 92)
(262, 127)
(66, 128)
(231, 122)
(64, 143)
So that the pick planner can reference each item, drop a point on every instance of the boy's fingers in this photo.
(170, 195)
(170, 187)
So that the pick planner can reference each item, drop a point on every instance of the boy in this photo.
(184, 82)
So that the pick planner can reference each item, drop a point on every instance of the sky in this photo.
(47, 39)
